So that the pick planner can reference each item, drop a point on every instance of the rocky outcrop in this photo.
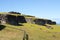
(16, 19)
(43, 22)
(11, 19)
(51, 22)
(40, 21)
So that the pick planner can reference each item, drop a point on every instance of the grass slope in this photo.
(35, 32)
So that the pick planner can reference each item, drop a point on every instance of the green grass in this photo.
(35, 32)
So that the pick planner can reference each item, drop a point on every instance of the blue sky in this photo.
(49, 9)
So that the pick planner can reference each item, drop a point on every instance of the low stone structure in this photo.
(40, 21)
(51, 22)
(15, 18)
(43, 22)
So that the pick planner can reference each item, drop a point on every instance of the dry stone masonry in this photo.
(15, 18)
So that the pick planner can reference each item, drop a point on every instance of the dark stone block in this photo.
(21, 19)
(15, 20)
(51, 22)
(40, 21)
(48, 21)
(11, 20)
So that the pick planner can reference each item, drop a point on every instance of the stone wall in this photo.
(40, 21)
(51, 22)
(43, 22)
(15, 20)
(11, 19)
(21, 19)
(2, 19)
(30, 20)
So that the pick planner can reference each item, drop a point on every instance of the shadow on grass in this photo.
(17, 24)
(2, 27)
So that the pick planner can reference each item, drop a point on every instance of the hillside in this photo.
(35, 32)
(15, 26)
